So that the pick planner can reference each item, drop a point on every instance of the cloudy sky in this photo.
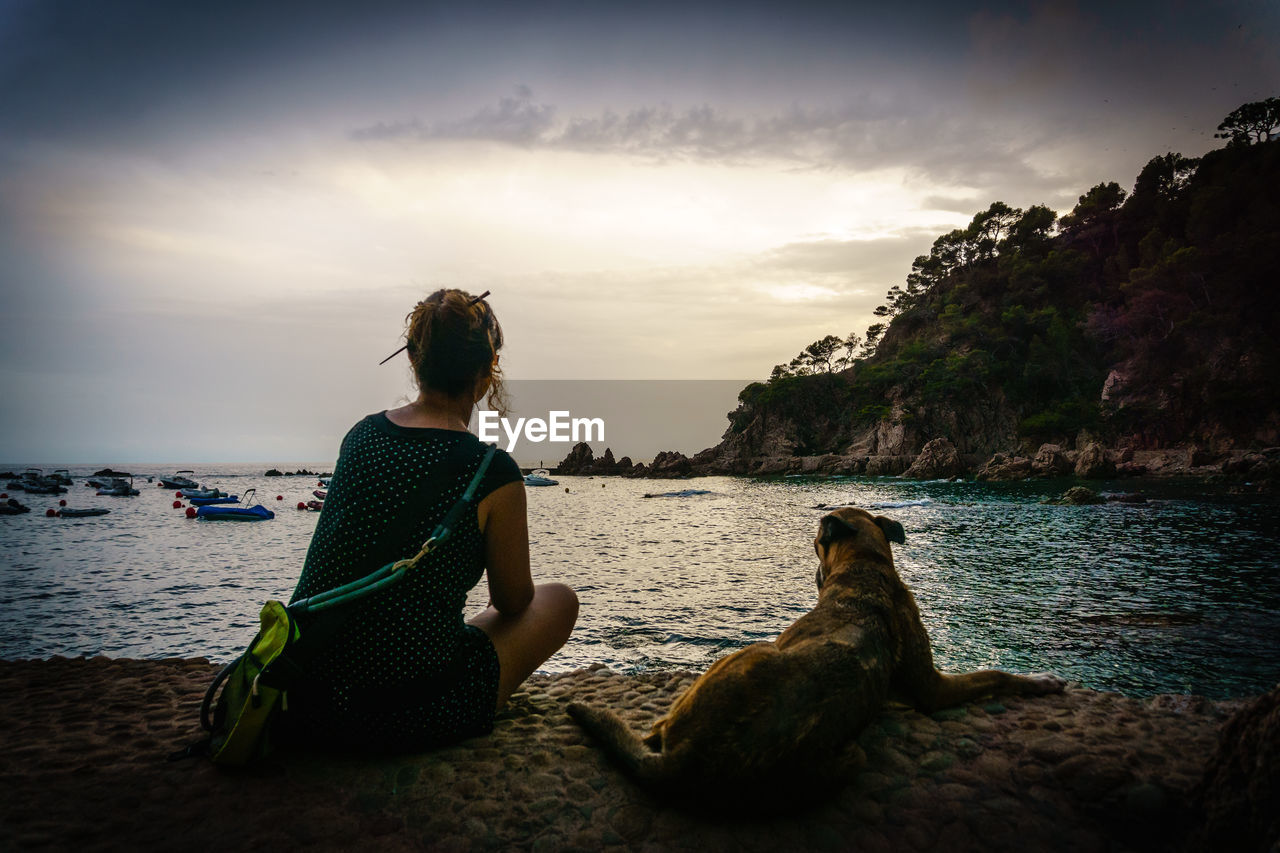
(215, 215)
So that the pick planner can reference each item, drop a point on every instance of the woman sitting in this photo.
(405, 671)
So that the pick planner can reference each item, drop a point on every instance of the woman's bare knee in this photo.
(560, 605)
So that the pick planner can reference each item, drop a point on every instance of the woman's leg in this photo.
(525, 641)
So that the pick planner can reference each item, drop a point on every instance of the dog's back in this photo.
(755, 717)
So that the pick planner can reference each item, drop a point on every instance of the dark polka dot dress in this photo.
(405, 671)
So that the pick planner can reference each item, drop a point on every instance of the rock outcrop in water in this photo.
(581, 460)
(1078, 496)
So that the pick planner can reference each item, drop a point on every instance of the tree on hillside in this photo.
(1163, 177)
(850, 345)
(1094, 218)
(989, 228)
(820, 354)
(821, 357)
(1249, 123)
(874, 332)
(1032, 230)
(1097, 202)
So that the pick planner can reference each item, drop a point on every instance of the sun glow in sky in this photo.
(214, 217)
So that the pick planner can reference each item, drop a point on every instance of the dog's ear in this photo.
(892, 530)
(833, 528)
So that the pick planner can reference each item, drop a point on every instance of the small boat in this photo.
(119, 489)
(61, 476)
(320, 494)
(225, 499)
(34, 481)
(540, 477)
(177, 481)
(202, 493)
(68, 512)
(12, 507)
(257, 512)
(43, 487)
(324, 482)
(241, 512)
(315, 506)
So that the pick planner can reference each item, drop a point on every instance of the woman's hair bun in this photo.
(453, 339)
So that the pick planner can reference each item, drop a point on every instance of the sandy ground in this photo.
(83, 746)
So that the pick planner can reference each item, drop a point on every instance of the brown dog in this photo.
(775, 724)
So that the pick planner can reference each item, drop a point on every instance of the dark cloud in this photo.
(864, 134)
(516, 120)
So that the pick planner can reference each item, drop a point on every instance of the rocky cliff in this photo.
(1136, 335)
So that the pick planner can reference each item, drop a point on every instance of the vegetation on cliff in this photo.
(1148, 318)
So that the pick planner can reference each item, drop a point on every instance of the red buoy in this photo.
(158, 485)
(50, 513)
(279, 497)
(62, 503)
(191, 512)
(4, 496)
(177, 494)
(301, 505)
(177, 504)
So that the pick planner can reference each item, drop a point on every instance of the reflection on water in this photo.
(1181, 594)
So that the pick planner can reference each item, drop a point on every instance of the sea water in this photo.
(1179, 594)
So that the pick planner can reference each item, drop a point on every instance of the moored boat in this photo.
(540, 477)
(225, 499)
(202, 493)
(12, 507)
(177, 481)
(118, 488)
(68, 512)
(35, 482)
(257, 512)
(43, 487)
(240, 512)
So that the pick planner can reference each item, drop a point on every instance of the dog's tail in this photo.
(636, 759)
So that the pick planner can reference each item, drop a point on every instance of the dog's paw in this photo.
(1043, 683)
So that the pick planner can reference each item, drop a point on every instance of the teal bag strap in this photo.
(394, 571)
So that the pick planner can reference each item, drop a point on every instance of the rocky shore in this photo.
(82, 757)
(939, 459)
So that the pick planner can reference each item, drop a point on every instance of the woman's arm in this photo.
(504, 521)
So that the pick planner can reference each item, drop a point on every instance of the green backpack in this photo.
(255, 686)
